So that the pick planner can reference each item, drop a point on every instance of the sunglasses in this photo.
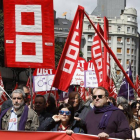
(66, 112)
(99, 96)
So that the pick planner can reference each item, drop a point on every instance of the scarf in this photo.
(107, 110)
(23, 118)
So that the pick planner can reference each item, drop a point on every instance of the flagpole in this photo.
(128, 82)
(31, 88)
(128, 93)
(5, 92)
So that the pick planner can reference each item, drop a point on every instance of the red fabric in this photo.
(137, 85)
(111, 53)
(16, 85)
(106, 63)
(69, 57)
(29, 33)
(112, 89)
(2, 94)
(96, 53)
(13, 135)
(43, 71)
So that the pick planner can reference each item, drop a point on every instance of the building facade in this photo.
(123, 38)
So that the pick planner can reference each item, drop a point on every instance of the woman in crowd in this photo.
(135, 106)
(126, 108)
(136, 132)
(64, 121)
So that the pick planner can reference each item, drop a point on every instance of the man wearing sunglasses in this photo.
(106, 120)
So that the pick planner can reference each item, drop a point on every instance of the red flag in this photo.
(106, 60)
(16, 85)
(112, 89)
(29, 33)
(137, 85)
(2, 94)
(96, 53)
(69, 57)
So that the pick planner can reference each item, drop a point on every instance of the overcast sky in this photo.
(70, 6)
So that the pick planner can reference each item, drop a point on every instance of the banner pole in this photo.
(5, 92)
(31, 88)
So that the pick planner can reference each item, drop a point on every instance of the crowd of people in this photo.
(100, 115)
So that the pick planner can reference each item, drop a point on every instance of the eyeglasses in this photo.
(99, 96)
(66, 112)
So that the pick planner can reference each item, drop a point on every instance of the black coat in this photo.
(50, 125)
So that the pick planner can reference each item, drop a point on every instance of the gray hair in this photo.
(121, 99)
(20, 91)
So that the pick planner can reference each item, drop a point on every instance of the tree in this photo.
(117, 78)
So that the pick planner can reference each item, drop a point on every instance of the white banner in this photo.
(90, 79)
(43, 83)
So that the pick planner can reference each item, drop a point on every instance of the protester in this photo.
(136, 132)
(51, 104)
(18, 117)
(8, 103)
(121, 99)
(106, 120)
(135, 107)
(40, 108)
(64, 121)
(126, 108)
(112, 100)
(91, 104)
(80, 110)
(138, 99)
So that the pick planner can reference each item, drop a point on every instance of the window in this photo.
(66, 29)
(131, 62)
(109, 28)
(132, 51)
(128, 18)
(133, 41)
(128, 40)
(90, 38)
(64, 22)
(119, 40)
(88, 48)
(133, 19)
(133, 30)
(89, 27)
(119, 29)
(88, 59)
(127, 61)
(120, 60)
(109, 39)
(118, 72)
(128, 29)
(119, 50)
(128, 51)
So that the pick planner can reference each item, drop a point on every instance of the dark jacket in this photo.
(43, 116)
(117, 126)
(82, 111)
(50, 125)
(6, 104)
